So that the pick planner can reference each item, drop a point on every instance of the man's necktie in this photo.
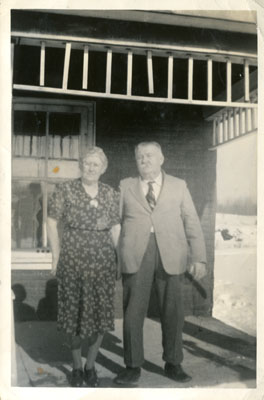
(150, 196)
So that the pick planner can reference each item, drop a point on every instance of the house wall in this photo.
(181, 130)
(185, 138)
(237, 189)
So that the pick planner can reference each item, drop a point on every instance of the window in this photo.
(48, 137)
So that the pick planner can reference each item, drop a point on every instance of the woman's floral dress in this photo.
(86, 269)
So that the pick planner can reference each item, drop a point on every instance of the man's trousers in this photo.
(136, 296)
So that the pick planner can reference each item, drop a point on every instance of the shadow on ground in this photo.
(207, 343)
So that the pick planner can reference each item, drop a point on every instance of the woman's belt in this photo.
(68, 227)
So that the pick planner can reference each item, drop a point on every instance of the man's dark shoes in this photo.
(129, 376)
(90, 377)
(176, 373)
(76, 378)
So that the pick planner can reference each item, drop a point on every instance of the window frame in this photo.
(28, 259)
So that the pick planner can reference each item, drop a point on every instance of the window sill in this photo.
(31, 260)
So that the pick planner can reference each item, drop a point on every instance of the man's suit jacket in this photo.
(175, 222)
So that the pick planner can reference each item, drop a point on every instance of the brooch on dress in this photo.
(94, 203)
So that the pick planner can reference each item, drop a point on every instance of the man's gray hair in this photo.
(152, 143)
(94, 151)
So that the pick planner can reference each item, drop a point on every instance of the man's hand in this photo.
(198, 270)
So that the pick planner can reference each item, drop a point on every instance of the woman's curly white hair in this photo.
(94, 151)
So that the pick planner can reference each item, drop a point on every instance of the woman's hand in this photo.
(54, 243)
(54, 265)
(115, 232)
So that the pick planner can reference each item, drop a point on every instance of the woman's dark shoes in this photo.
(176, 373)
(76, 378)
(90, 377)
(129, 376)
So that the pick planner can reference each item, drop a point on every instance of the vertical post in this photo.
(246, 80)
(170, 76)
(225, 133)
(247, 120)
(150, 72)
(85, 67)
(219, 136)
(230, 125)
(230, 133)
(240, 125)
(190, 78)
(235, 122)
(12, 60)
(108, 71)
(66, 66)
(129, 72)
(12, 132)
(256, 117)
(228, 81)
(214, 133)
(22, 141)
(210, 79)
(253, 118)
(42, 64)
(13, 344)
(82, 137)
(45, 187)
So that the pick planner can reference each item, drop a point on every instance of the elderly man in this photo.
(159, 223)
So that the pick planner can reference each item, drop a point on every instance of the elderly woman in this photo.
(84, 260)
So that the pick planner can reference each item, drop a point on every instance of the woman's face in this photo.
(91, 168)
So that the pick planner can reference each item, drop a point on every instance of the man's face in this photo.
(149, 161)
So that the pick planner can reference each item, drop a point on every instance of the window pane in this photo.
(29, 123)
(64, 124)
(64, 130)
(29, 134)
(27, 215)
(29, 139)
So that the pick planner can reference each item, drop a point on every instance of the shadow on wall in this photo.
(47, 306)
(22, 311)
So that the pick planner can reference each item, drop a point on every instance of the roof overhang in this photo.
(232, 21)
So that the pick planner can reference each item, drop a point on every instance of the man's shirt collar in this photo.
(157, 180)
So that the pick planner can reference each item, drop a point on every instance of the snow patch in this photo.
(235, 231)
(235, 271)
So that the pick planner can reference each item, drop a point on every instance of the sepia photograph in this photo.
(133, 198)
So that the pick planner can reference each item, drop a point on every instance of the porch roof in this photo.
(88, 31)
(233, 21)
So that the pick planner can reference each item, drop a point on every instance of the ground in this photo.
(235, 271)
(218, 351)
(215, 355)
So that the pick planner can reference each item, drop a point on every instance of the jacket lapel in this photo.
(165, 191)
(137, 192)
